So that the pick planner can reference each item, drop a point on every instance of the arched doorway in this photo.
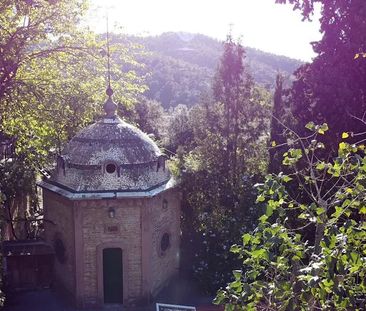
(112, 275)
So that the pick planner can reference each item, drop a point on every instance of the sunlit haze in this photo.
(261, 24)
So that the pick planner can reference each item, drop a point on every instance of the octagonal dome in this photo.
(111, 140)
(110, 156)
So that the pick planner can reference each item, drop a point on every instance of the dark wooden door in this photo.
(112, 275)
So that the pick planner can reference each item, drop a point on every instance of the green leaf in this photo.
(235, 284)
(235, 248)
(303, 216)
(323, 128)
(320, 210)
(260, 198)
(246, 238)
(338, 212)
(269, 210)
(345, 135)
(310, 125)
(260, 254)
(320, 166)
(355, 257)
(237, 274)
(263, 218)
(342, 145)
(346, 203)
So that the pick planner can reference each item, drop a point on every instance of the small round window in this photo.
(110, 168)
(165, 242)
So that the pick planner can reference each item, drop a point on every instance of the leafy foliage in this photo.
(51, 81)
(52, 76)
(282, 267)
(148, 115)
(332, 88)
(52, 72)
(180, 132)
(21, 211)
(221, 158)
(174, 82)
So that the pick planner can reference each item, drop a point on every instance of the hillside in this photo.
(182, 65)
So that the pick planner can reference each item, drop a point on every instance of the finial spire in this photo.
(109, 89)
(110, 107)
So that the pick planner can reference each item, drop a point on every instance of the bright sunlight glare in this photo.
(261, 24)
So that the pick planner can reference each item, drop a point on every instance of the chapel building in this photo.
(112, 214)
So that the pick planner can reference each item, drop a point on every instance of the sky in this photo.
(260, 24)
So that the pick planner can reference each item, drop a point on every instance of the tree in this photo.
(53, 77)
(52, 72)
(282, 269)
(276, 135)
(229, 136)
(180, 129)
(31, 34)
(148, 115)
(332, 88)
(234, 91)
(306, 6)
(33, 29)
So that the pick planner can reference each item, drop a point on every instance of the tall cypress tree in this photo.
(233, 88)
(277, 130)
(229, 130)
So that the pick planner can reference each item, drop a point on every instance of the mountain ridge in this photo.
(182, 66)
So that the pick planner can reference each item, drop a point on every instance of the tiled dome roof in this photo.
(111, 155)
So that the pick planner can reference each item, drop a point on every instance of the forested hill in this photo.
(182, 66)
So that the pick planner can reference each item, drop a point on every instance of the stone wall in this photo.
(59, 224)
